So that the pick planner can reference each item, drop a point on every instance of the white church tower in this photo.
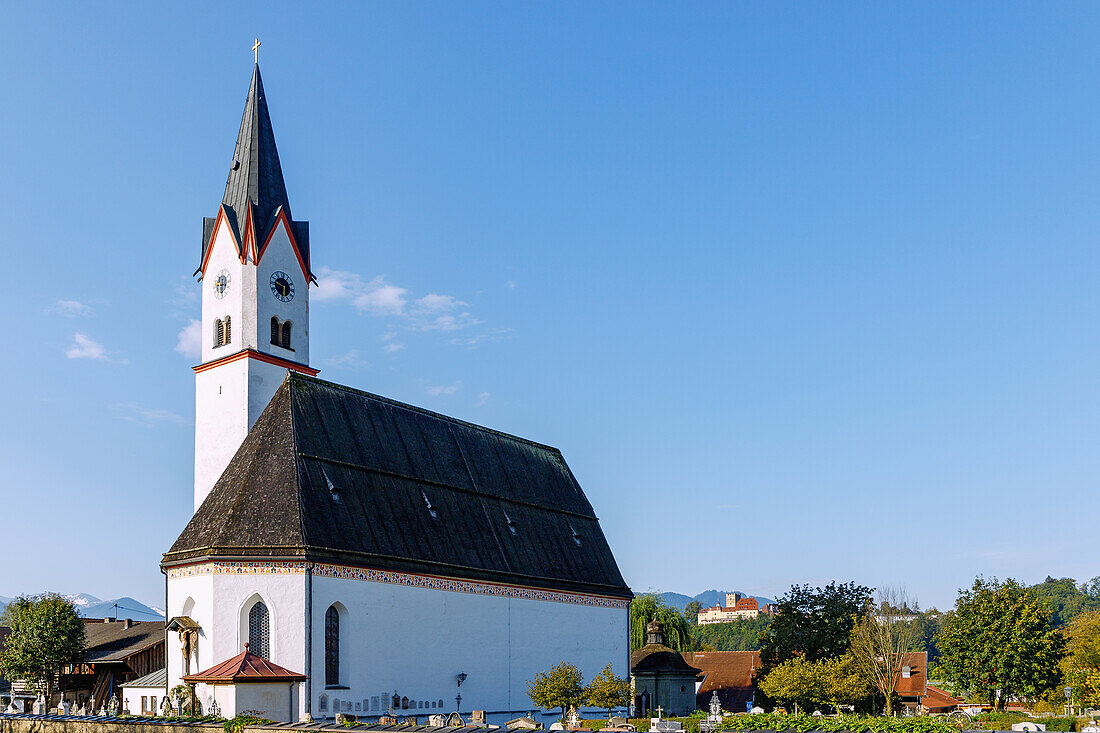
(255, 280)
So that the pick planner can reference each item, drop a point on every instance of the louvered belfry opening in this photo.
(284, 340)
(274, 331)
(219, 332)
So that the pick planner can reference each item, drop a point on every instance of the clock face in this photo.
(221, 284)
(282, 287)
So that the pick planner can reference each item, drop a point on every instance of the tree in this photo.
(732, 636)
(813, 622)
(558, 688)
(845, 682)
(691, 612)
(1065, 599)
(1081, 665)
(648, 608)
(796, 681)
(1000, 637)
(608, 691)
(46, 633)
(881, 639)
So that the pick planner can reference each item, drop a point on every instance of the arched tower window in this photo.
(259, 630)
(219, 332)
(285, 338)
(332, 646)
(228, 338)
(275, 331)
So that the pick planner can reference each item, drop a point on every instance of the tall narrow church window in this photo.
(285, 337)
(332, 646)
(259, 631)
(274, 330)
(219, 333)
(228, 338)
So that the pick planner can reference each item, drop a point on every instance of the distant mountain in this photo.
(125, 607)
(706, 599)
(88, 606)
(81, 600)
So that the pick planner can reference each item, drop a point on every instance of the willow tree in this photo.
(649, 607)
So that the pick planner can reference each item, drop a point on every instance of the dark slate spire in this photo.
(255, 175)
(256, 181)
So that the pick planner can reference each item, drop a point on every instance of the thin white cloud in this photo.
(148, 416)
(440, 390)
(482, 399)
(487, 336)
(70, 308)
(87, 348)
(431, 312)
(348, 360)
(392, 347)
(189, 340)
(375, 296)
(511, 284)
(434, 303)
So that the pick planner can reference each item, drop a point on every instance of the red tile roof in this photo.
(915, 684)
(732, 674)
(245, 667)
(936, 700)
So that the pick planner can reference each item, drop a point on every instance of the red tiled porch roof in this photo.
(245, 667)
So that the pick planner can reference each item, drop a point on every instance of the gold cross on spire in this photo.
(256, 50)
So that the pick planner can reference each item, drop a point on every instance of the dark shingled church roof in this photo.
(256, 178)
(332, 474)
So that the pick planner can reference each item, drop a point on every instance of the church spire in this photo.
(255, 176)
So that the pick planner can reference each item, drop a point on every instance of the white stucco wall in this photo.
(131, 698)
(276, 701)
(410, 640)
(279, 257)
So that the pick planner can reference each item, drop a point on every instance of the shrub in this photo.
(237, 724)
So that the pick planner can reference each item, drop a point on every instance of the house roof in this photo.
(245, 667)
(113, 642)
(332, 474)
(153, 679)
(255, 186)
(917, 682)
(724, 670)
(936, 699)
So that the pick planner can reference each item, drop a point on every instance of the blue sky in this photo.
(802, 291)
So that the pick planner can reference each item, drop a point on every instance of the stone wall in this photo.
(74, 724)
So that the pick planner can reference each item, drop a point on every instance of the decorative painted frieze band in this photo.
(385, 576)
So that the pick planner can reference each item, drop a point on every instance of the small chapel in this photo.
(349, 553)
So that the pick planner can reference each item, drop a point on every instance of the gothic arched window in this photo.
(228, 337)
(274, 330)
(284, 340)
(332, 646)
(259, 630)
(219, 332)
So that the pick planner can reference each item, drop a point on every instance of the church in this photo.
(375, 557)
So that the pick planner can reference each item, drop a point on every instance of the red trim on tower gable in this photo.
(249, 236)
(218, 222)
(258, 356)
(282, 217)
